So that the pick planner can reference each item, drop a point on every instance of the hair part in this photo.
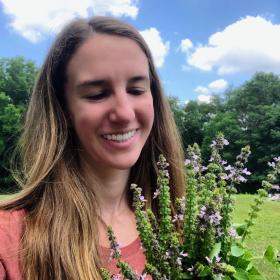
(60, 239)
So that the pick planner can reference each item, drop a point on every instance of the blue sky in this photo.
(200, 47)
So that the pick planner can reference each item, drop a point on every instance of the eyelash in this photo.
(136, 91)
(102, 95)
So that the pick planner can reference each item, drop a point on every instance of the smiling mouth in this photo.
(120, 137)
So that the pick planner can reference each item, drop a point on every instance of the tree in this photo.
(16, 79)
(255, 109)
(197, 114)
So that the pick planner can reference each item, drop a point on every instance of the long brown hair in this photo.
(60, 238)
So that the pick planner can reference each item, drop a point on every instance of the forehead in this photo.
(105, 55)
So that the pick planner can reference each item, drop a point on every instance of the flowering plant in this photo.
(199, 241)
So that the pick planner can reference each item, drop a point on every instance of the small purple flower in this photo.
(214, 143)
(195, 157)
(215, 218)
(202, 212)
(218, 259)
(229, 167)
(187, 162)
(191, 270)
(219, 231)
(203, 168)
(225, 142)
(183, 254)
(142, 198)
(232, 232)
(117, 277)
(241, 179)
(196, 168)
(179, 261)
(178, 217)
(271, 164)
(167, 254)
(277, 159)
(142, 276)
(156, 194)
(246, 171)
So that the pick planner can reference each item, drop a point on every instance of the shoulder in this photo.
(11, 223)
(11, 226)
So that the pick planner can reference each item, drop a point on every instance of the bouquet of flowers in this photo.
(199, 241)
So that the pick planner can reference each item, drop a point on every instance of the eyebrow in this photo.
(101, 82)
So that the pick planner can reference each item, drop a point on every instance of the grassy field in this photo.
(3, 196)
(265, 232)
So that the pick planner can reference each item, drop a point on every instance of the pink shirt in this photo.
(10, 235)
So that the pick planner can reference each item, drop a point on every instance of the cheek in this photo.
(148, 113)
(83, 121)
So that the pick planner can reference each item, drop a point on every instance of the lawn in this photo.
(265, 232)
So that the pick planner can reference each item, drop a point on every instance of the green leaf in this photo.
(205, 272)
(254, 271)
(270, 254)
(241, 274)
(237, 250)
(256, 277)
(240, 228)
(215, 251)
(244, 264)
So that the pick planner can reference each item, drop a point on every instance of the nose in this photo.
(122, 110)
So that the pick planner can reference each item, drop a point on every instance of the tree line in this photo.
(249, 114)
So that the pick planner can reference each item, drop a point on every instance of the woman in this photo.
(96, 122)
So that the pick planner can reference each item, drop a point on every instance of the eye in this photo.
(136, 91)
(97, 96)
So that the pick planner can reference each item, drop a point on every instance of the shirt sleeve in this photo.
(2, 272)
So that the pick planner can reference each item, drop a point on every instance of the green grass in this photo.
(266, 230)
(3, 196)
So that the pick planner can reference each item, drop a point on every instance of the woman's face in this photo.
(109, 100)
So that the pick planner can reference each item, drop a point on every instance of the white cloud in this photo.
(158, 48)
(204, 98)
(248, 45)
(218, 85)
(202, 90)
(186, 45)
(35, 19)
(205, 93)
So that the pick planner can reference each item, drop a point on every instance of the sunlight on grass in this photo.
(265, 232)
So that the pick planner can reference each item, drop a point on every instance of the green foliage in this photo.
(16, 79)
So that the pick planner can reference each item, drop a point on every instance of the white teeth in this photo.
(120, 137)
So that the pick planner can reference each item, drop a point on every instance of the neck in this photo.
(110, 188)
